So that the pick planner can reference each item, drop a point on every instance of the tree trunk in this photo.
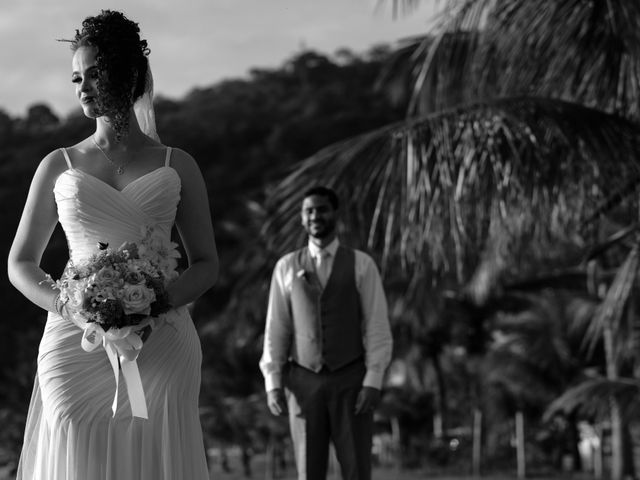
(574, 439)
(522, 471)
(597, 455)
(246, 461)
(627, 453)
(617, 461)
(477, 441)
(397, 443)
(439, 423)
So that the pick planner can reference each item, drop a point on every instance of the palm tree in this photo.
(421, 336)
(520, 136)
(533, 356)
(525, 350)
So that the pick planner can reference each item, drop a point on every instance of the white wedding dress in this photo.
(71, 432)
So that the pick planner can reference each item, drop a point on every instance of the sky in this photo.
(194, 43)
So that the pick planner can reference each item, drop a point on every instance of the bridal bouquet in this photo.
(121, 287)
(114, 296)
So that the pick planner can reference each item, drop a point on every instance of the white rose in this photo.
(106, 276)
(137, 299)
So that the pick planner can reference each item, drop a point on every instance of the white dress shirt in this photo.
(376, 333)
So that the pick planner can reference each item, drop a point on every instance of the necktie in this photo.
(322, 266)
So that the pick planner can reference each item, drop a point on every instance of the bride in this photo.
(111, 188)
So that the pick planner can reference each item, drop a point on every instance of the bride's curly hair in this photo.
(121, 63)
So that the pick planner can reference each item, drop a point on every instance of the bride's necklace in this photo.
(119, 167)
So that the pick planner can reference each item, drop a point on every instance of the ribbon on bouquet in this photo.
(122, 345)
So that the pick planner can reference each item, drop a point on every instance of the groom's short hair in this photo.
(326, 192)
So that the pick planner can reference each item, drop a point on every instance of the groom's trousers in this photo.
(322, 410)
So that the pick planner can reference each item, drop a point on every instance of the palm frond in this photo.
(611, 313)
(511, 376)
(621, 236)
(583, 51)
(441, 192)
(591, 399)
(539, 335)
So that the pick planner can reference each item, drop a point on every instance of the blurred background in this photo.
(487, 156)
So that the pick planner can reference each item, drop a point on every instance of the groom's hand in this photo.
(276, 401)
(367, 401)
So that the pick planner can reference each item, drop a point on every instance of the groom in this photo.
(327, 344)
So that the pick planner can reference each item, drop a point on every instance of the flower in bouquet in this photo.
(161, 253)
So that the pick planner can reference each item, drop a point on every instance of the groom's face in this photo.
(318, 216)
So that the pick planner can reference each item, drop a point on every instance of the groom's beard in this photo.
(321, 229)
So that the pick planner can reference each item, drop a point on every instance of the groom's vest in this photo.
(326, 322)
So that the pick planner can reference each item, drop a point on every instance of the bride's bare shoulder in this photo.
(54, 159)
(51, 166)
(182, 161)
(187, 168)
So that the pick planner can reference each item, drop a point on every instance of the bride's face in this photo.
(85, 78)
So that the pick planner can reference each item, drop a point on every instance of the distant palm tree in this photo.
(421, 337)
(534, 356)
(611, 394)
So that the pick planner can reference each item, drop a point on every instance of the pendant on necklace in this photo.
(119, 168)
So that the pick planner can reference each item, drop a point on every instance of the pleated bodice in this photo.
(92, 211)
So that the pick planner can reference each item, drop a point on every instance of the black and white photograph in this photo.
(320, 240)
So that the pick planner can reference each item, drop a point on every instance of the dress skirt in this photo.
(71, 431)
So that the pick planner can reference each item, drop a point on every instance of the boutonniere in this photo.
(303, 274)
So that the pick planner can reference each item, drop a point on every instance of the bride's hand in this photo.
(68, 314)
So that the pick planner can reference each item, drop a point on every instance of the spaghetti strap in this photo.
(167, 159)
(66, 157)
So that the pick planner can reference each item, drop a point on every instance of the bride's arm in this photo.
(38, 220)
(193, 221)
